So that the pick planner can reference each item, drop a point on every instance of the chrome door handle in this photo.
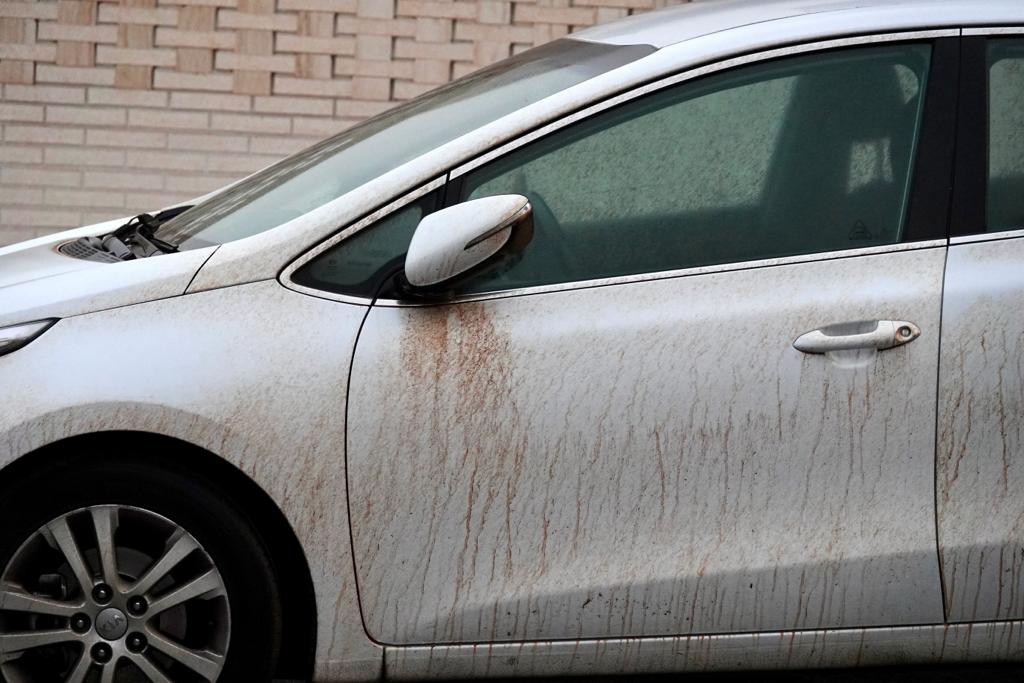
(886, 335)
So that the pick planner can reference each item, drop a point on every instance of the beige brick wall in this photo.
(110, 107)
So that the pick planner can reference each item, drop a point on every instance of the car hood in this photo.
(37, 281)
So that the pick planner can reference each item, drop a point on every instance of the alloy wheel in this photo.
(112, 594)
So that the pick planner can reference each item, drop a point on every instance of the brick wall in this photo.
(111, 107)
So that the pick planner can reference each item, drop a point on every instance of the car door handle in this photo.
(886, 335)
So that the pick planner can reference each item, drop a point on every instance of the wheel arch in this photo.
(289, 557)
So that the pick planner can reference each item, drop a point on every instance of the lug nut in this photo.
(136, 642)
(137, 606)
(101, 653)
(102, 593)
(80, 623)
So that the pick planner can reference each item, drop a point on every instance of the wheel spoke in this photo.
(16, 600)
(13, 644)
(61, 534)
(105, 520)
(206, 664)
(207, 585)
(109, 669)
(150, 669)
(81, 669)
(179, 547)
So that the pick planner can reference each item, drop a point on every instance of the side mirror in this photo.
(453, 241)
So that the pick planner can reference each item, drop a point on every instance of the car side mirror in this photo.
(456, 240)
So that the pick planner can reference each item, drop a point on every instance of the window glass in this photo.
(359, 264)
(329, 169)
(796, 156)
(1006, 135)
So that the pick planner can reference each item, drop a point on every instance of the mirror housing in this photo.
(452, 242)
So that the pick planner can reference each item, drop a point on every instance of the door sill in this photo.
(994, 641)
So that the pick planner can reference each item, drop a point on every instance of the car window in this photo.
(1006, 135)
(359, 264)
(801, 155)
(340, 164)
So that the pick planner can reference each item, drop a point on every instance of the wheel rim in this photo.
(112, 593)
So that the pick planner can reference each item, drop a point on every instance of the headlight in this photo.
(14, 337)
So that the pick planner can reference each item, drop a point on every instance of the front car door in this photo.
(614, 435)
(981, 397)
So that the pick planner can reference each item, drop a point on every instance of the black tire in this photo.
(190, 500)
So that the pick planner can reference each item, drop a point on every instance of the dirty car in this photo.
(689, 342)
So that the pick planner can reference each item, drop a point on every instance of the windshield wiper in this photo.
(134, 240)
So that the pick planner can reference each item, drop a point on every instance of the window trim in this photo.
(994, 31)
(670, 274)
(987, 237)
(452, 179)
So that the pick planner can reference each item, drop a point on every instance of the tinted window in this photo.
(1006, 131)
(797, 156)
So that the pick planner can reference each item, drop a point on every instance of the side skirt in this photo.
(830, 648)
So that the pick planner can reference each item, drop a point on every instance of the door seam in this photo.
(935, 463)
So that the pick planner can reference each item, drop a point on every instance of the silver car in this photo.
(691, 342)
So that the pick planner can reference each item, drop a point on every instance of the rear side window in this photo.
(801, 155)
(1006, 135)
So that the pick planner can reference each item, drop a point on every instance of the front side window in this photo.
(1006, 135)
(802, 155)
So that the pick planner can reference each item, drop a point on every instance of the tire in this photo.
(141, 493)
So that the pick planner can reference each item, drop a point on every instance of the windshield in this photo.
(329, 169)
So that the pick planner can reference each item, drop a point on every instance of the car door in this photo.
(981, 393)
(615, 435)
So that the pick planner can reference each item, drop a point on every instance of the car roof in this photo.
(705, 17)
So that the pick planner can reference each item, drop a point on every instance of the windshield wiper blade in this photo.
(139, 232)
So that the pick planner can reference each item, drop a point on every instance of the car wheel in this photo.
(120, 570)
